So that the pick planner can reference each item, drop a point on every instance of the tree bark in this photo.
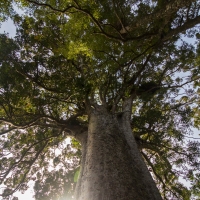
(112, 167)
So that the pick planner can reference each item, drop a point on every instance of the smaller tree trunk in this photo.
(112, 169)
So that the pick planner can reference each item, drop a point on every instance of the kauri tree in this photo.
(119, 78)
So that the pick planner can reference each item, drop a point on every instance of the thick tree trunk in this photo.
(112, 167)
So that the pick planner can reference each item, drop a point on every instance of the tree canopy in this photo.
(71, 55)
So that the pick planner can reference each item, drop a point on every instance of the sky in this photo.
(8, 27)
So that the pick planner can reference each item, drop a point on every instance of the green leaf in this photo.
(76, 175)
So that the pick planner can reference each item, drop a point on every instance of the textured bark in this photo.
(112, 167)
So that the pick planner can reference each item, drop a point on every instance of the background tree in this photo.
(105, 73)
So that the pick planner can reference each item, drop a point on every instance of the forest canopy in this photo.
(72, 57)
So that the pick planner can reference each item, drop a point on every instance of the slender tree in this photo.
(116, 77)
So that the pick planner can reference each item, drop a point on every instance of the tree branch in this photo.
(51, 7)
(187, 25)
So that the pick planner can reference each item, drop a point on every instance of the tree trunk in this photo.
(112, 167)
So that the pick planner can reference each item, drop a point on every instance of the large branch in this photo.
(181, 29)
(67, 9)
(14, 125)
(72, 125)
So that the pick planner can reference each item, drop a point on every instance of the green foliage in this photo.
(76, 175)
(71, 55)
(6, 9)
